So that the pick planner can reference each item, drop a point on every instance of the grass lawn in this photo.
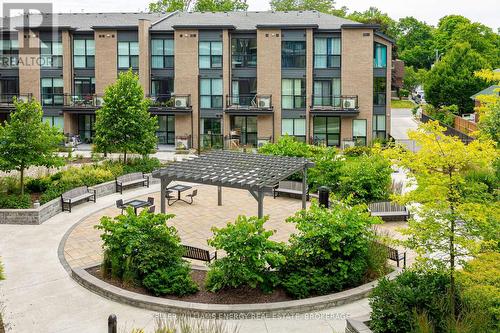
(402, 104)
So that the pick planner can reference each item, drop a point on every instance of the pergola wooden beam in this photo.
(256, 173)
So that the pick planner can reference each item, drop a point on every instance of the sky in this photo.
(483, 11)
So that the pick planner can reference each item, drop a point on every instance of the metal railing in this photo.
(83, 101)
(334, 102)
(450, 131)
(7, 100)
(170, 101)
(249, 101)
(244, 60)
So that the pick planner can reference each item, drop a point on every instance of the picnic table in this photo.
(179, 188)
(136, 204)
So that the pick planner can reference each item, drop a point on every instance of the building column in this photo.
(29, 65)
(144, 55)
(309, 79)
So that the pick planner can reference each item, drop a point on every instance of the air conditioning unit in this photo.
(348, 143)
(349, 103)
(264, 102)
(181, 101)
(99, 101)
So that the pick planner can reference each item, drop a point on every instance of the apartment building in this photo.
(234, 79)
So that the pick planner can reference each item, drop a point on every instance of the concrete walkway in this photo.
(39, 295)
(402, 120)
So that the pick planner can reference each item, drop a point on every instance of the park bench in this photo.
(389, 211)
(131, 179)
(196, 253)
(395, 255)
(77, 194)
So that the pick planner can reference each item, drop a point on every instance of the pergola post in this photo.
(304, 187)
(219, 195)
(260, 203)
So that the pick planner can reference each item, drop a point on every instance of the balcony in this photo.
(82, 102)
(161, 103)
(7, 100)
(244, 60)
(338, 105)
(249, 102)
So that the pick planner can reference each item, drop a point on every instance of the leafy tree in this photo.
(323, 6)
(374, 16)
(413, 78)
(415, 42)
(451, 80)
(198, 5)
(124, 123)
(453, 29)
(28, 141)
(451, 222)
(489, 108)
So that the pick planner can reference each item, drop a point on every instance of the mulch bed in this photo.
(244, 295)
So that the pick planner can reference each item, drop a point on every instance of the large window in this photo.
(326, 130)
(246, 127)
(244, 52)
(55, 121)
(379, 126)
(84, 53)
(211, 93)
(86, 129)
(327, 52)
(210, 54)
(52, 91)
(128, 55)
(243, 91)
(359, 131)
(379, 56)
(51, 54)
(166, 130)
(84, 86)
(210, 129)
(162, 86)
(9, 88)
(293, 54)
(295, 127)
(379, 91)
(293, 93)
(162, 53)
(327, 92)
(9, 51)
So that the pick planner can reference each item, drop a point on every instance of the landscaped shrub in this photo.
(479, 283)
(365, 179)
(2, 276)
(329, 251)
(396, 304)
(250, 256)
(15, 201)
(143, 250)
(144, 164)
(357, 151)
(38, 185)
(287, 146)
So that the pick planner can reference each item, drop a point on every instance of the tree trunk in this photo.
(22, 180)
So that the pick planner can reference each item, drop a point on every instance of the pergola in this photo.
(256, 173)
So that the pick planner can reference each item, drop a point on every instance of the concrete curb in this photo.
(158, 304)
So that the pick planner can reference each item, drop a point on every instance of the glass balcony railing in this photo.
(331, 102)
(249, 101)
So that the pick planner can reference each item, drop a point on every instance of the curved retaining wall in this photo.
(158, 304)
(53, 207)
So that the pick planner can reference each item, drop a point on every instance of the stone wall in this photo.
(52, 208)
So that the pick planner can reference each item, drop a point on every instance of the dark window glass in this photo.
(293, 54)
(243, 91)
(245, 130)
(51, 54)
(9, 53)
(379, 91)
(86, 129)
(9, 88)
(210, 130)
(326, 130)
(166, 130)
(244, 52)
(52, 91)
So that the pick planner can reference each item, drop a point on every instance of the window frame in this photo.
(129, 55)
(379, 96)
(249, 60)
(51, 54)
(212, 96)
(294, 55)
(298, 101)
(165, 56)
(329, 54)
(211, 56)
(87, 56)
(51, 95)
(169, 131)
(360, 138)
(326, 133)
(298, 137)
(245, 134)
(375, 129)
(378, 64)
(9, 57)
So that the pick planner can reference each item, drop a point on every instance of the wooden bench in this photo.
(199, 254)
(77, 194)
(394, 255)
(131, 179)
(288, 187)
(389, 211)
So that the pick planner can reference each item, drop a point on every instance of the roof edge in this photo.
(359, 26)
(286, 26)
(203, 26)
